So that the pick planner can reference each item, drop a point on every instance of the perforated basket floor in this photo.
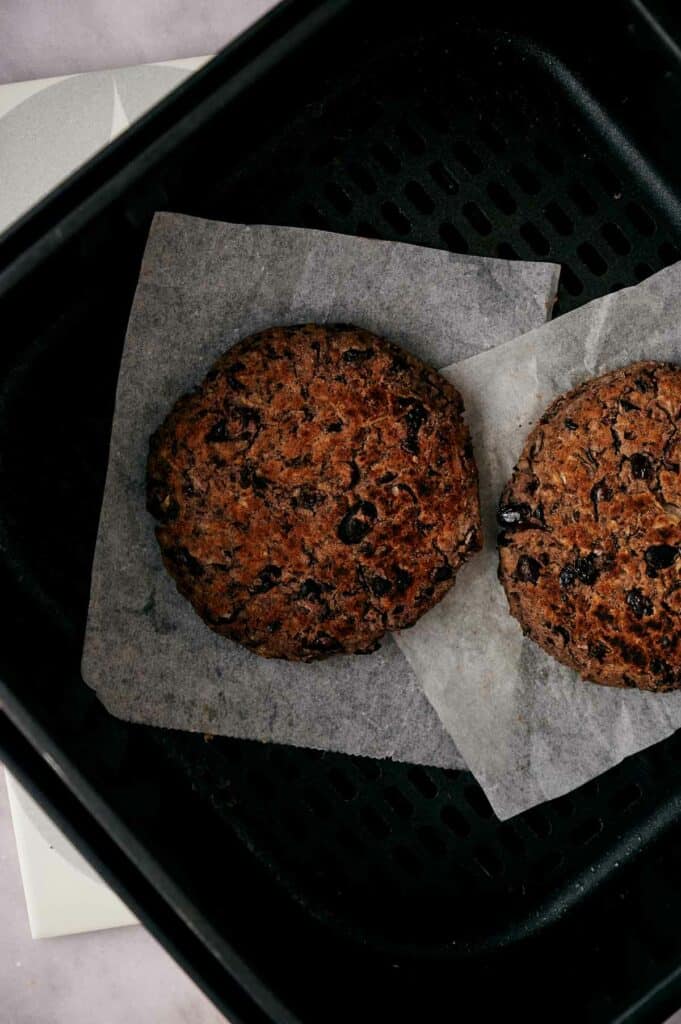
(464, 138)
(464, 161)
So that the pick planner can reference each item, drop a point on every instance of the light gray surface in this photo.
(203, 285)
(528, 727)
(120, 976)
(69, 120)
(39, 38)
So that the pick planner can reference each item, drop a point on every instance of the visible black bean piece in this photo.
(639, 603)
(660, 556)
(231, 377)
(570, 424)
(298, 461)
(398, 364)
(357, 355)
(629, 406)
(218, 432)
(527, 570)
(357, 522)
(513, 514)
(416, 416)
(269, 576)
(562, 632)
(325, 612)
(309, 498)
(240, 423)
(585, 570)
(249, 477)
(664, 670)
(616, 440)
(597, 650)
(442, 573)
(355, 474)
(386, 478)
(311, 589)
(634, 655)
(274, 626)
(567, 576)
(641, 466)
(403, 579)
(532, 487)
(335, 427)
(408, 490)
(324, 644)
(380, 586)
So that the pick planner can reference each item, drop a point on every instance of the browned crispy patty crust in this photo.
(589, 551)
(317, 489)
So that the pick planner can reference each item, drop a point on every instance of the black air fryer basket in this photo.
(296, 885)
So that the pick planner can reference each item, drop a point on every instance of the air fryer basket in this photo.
(328, 885)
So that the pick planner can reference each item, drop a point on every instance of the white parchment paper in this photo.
(529, 728)
(203, 285)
